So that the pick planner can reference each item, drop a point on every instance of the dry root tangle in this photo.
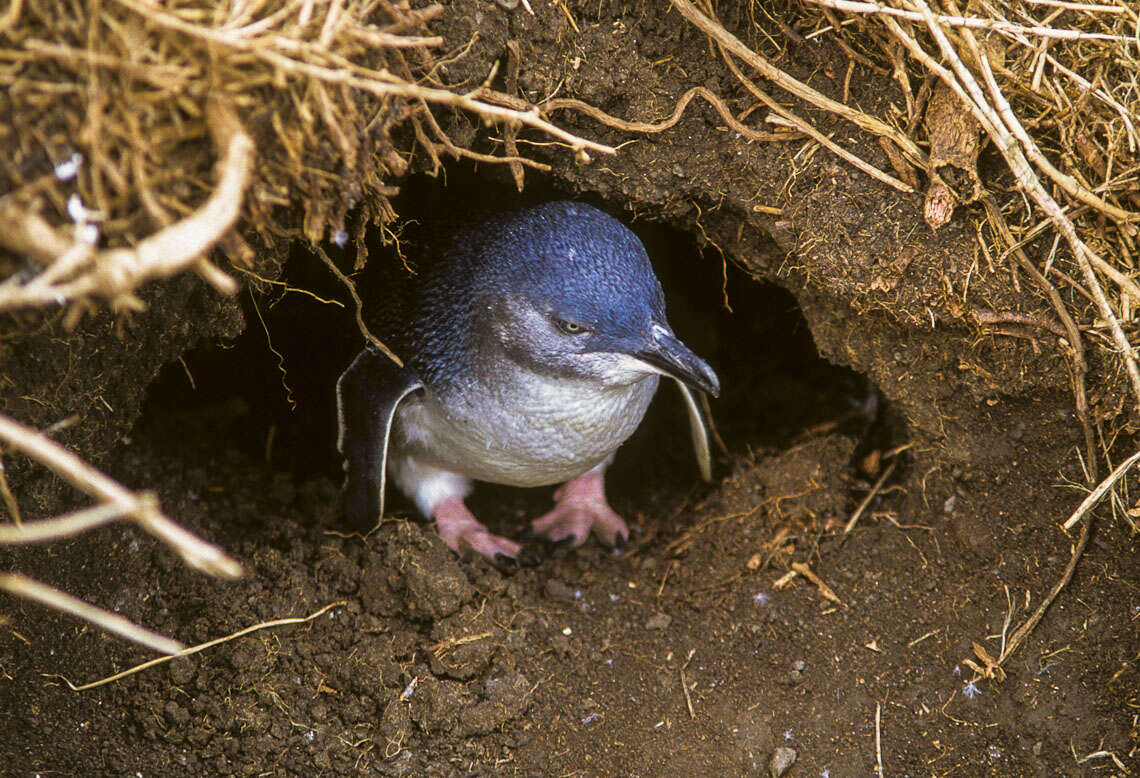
(1055, 87)
(337, 95)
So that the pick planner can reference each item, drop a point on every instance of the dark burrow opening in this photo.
(268, 397)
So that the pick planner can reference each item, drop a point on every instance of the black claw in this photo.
(505, 563)
(560, 548)
(620, 541)
(528, 557)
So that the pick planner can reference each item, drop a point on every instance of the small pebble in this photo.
(88, 233)
(69, 168)
(782, 760)
(659, 621)
(556, 590)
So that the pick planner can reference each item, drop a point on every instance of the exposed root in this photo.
(1021, 633)
(358, 307)
(974, 23)
(202, 647)
(75, 272)
(564, 103)
(812, 132)
(1097, 494)
(1096, 123)
(117, 503)
(22, 586)
(328, 84)
(734, 46)
(1013, 142)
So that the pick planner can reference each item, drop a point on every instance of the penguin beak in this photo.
(669, 356)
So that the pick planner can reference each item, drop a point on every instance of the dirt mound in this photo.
(744, 631)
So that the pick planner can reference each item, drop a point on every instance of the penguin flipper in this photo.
(698, 428)
(368, 393)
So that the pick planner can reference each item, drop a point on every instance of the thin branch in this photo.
(1013, 154)
(1022, 632)
(61, 527)
(1080, 365)
(115, 274)
(371, 82)
(29, 589)
(781, 79)
(870, 496)
(11, 504)
(201, 647)
(968, 22)
(718, 105)
(358, 307)
(813, 133)
(141, 508)
(1097, 494)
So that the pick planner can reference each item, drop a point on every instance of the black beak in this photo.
(673, 358)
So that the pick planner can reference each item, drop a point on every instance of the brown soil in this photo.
(678, 656)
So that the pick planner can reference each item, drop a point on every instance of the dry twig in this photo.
(76, 272)
(119, 502)
(202, 647)
(968, 22)
(718, 105)
(993, 120)
(870, 496)
(330, 84)
(22, 586)
(1097, 494)
(733, 45)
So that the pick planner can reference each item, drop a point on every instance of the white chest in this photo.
(523, 433)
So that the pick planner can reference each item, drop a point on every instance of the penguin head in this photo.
(569, 291)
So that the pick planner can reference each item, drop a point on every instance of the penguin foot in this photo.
(463, 533)
(581, 508)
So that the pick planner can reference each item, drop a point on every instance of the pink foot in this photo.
(580, 509)
(463, 532)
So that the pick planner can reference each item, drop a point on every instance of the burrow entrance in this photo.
(270, 394)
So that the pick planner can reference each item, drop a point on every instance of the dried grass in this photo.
(106, 128)
(1056, 88)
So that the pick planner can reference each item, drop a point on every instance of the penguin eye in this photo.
(569, 327)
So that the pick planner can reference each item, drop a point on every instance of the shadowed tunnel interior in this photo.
(270, 394)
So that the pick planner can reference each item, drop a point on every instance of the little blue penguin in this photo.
(533, 342)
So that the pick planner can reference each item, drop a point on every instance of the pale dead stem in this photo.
(29, 589)
(1021, 153)
(76, 272)
(116, 502)
(1096, 495)
(380, 83)
(801, 90)
(1014, 143)
(140, 508)
(997, 118)
(718, 105)
(726, 43)
(812, 132)
(972, 22)
(202, 647)
(993, 111)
